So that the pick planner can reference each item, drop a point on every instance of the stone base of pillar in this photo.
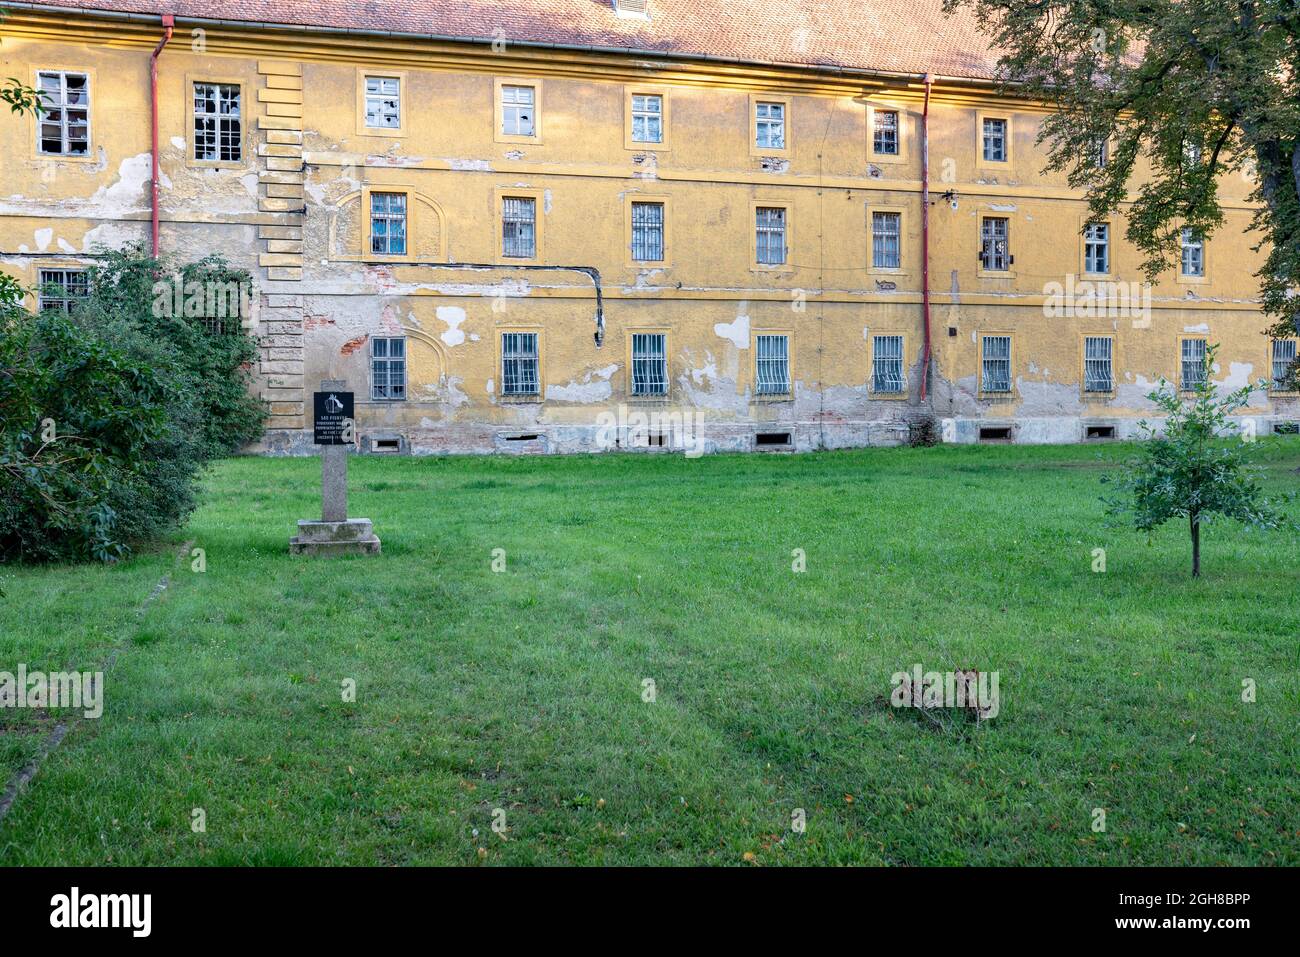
(355, 536)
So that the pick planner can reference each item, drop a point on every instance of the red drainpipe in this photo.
(925, 235)
(169, 25)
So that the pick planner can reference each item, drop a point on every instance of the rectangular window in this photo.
(884, 136)
(1193, 371)
(649, 364)
(769, 126)
(383, 102)
(995, 253)
(995, 368)
(648, 232)
(770, 235)
(517, 110)
(61, 289)
(1193, 253)
(519, 363)
(1096, 248)
(1101, 153)
(995, 141)
(1098, 372)
(886, 249)
(519, 227)
(388, 224)
(1284, 356)
(887, 364)
(647, 118)
(218, 123)
(773, 360)
(388, 369)
(65, 124)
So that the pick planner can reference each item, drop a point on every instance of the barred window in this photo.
(517, 110)
(887, 364)
(884, 137)
(769, 126)
(770, 239)
(1193, 253)
(647, 118)
(65, 124)
(995, 253)
(383, 102)
(995, 368)
(519, 363)
(773, 359)
(1284, 356)
(218, 123)
(886, 229)
(1098, 372)
(388, 224)
(995, 141)
(649, 363)
(519, 227)
(61, 289)
(1096, 248)
(388, 369)
(648, 232)
(1193, 365)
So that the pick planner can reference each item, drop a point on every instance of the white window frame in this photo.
(381, 104)
(1192, 365)
(649, 364)
(1096, 249)
(1192, 254)
(772, 364)
(225, 129)
(649, 117)
(518, 113)
(56, 101)
(388, 369)
(519, 227)
(75, 286)
(389, 215)
(887, 373)
(769, 125)
(994, 131)
(770, 232)
(520, 364)
(989, 383)
(1099, 364)
(886, 241)
(1282, 362)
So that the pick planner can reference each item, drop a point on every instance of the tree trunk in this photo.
(1195, 520)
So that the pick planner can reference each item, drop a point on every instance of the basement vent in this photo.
(1001, 433)
(386, 446)
(524, 437)
(1286, 428)
(1099, 432)
(773, 440)
(656, 440)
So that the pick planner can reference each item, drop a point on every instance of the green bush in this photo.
(111, 412)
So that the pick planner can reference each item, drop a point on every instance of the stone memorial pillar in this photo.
(334, 428)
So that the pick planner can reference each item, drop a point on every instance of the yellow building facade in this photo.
(505, 246)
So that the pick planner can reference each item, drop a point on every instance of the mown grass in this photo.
(523, 690)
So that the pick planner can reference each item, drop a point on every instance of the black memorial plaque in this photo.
(332, 410)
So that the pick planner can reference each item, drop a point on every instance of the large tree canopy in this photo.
(1196, 88)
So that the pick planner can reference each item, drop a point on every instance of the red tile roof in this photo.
(902, 36)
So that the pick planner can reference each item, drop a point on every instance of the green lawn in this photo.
(523, 690)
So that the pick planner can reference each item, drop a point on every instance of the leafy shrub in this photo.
(111, 412)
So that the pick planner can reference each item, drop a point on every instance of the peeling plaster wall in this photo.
(324, 297)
